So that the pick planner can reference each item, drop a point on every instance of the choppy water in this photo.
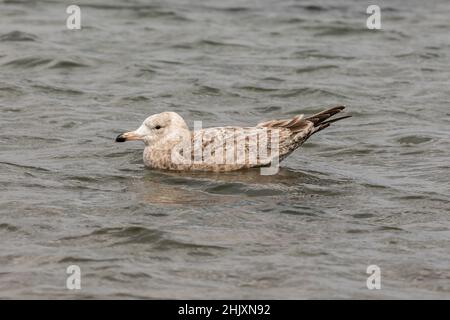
(373, 189)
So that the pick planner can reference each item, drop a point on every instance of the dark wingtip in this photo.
(320, 117)
(121, 138)
(337, 119)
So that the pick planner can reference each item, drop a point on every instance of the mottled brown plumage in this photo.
(169, 144)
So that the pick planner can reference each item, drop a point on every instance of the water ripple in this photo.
(18, 36)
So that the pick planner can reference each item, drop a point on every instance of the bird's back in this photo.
(234, 148)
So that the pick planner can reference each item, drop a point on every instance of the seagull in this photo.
(170, 145)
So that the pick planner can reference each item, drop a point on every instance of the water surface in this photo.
(373, 189)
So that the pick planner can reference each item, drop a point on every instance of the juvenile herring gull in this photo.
(169, 144)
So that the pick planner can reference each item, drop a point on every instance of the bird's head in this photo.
(156, 128)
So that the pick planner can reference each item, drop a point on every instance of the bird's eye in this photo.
(157, 127)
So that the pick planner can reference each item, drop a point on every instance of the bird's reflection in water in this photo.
(203, 188)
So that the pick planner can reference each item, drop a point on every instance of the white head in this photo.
(157, 128)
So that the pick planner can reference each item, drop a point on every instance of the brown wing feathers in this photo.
(298, 123)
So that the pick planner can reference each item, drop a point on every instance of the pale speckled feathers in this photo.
(209, 147)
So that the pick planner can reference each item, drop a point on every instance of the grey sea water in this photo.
(372, 189)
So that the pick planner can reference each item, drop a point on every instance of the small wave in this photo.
(274, 79)
(305, 212)
(201, 114)
(219, 43)
(234, 9)
(8, 227)
(135, 98)
(413, 140)
(32, 62)
(312, 7)
(147, 235)
(167, 14)
(14, 110)
(239, 189)
(146, 71)
(430, 70)
(56, 90)
(82, 179)
(396, 35)
(136, 275)
(307, 91)
(28, 62)
(206, 43)
(117, 154)
(304, 54)
(315, 68)
(169, 62)
(18, 36)
(412, 197)
(353, 151)
(11, 91)
(28, 140)
(25, 166)
(71, 259)
(363, 215)
(256, 89)
(117, 236)
(268, 109)
(357, 231)
(293, 20)
(67, 64)
(208, 91)
(140, 11)
(429, 55)
(340, 31)
(389, 229)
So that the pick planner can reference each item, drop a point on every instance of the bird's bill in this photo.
(128, 136)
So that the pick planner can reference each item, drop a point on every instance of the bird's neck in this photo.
(159, 153)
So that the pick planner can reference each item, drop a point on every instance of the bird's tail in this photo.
(320, 120)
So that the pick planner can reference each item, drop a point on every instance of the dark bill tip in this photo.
(121, 138)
